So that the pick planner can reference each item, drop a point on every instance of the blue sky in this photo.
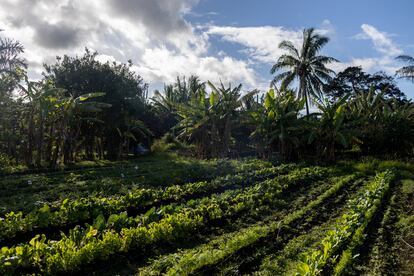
(232, 41)
(393, 18)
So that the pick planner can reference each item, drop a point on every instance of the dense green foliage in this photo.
(353, 80)
(83, 109)
(352, 223)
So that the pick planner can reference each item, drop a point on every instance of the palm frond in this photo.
(323, 59)
(288, 46)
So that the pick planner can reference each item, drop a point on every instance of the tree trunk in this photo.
(214, 144)
(120, 149)
(30, 141)
(100, 148)
(226, 137)
(49, 148)
(306, 103)
(89, 148)
(71, 146)
(55, 155)
(332, 151)
(66, 152)
(40, 142)
(58, 149)
(112, 145)
(302, 91)
(13, 145)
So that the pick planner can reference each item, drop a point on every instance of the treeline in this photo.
(83, 109)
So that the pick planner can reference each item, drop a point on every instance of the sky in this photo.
(233, 41)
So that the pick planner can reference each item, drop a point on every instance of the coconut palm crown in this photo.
(304, 65)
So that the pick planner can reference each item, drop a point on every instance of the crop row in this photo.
(84, 209)
(262, 193)
(382, 257)
(284, 262)
(198, 168)
(32, 191)
(83, 247)
(261, 201)
(350, 226)
(192, 260)
(237, 194)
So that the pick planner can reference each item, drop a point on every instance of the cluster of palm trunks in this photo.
(216, 217)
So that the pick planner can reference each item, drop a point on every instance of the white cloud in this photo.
(381, 40)
(161, 64)
(262, 43)
(383, 44)
(153, 34)
(327, 28)
(105, 58)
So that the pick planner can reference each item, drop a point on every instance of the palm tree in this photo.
(406, 72)
(209, 121)
(12, 67)
(181, 92)
(304, 65)
(9, 56)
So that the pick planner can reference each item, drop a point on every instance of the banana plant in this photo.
(382, 125)
(227, 102)
(135, 129)
(40, 99)
(196, 121)
(278, 121)
(70, 110)
(329, 129)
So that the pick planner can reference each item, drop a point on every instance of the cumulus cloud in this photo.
(327, 28)
(162, 17)
(367, 64)
(57, 35)
(381, 40)
(56, 27)
(383, 44)
(154, 34)
(163, 64)
(262, 42)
